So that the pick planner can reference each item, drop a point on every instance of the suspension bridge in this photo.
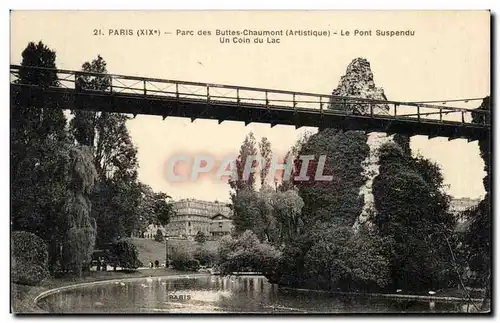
(171, 98)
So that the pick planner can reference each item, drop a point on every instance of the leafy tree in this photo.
(127, 254)
(287, 210)
(293, 155)
(248, 149)
(163, 210)
(39, 154)
(245, 210)
(478, 236)
(200, 237)
(107, 134)
(253, 211)
(116, 205)
(81, 235)
(84, 123)
(205, 256)
(273, 216)
(412, 211)
(153, 208)
(247, 253)
(266, 154)
(117, 196)
(31, 118)
(182, 260)
(341, 259)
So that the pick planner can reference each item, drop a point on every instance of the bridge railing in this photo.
(264, 98)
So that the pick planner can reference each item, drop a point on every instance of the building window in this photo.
(189, 223)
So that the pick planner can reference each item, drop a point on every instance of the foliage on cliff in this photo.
(412, 211)
(408, 247)
(337, 200)
(478, 236)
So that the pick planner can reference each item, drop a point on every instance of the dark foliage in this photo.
(337, 200)
(412, 211)
(200, 237)
(29, 258)
(126, 254)
(159, 236)
(182, 260)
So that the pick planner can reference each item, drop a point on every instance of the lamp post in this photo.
(166, 252)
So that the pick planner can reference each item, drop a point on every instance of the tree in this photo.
(478, 235)
(266, 154)
(248, 150)
(205, 256)
(328, 256)
(292, 155)
(273, 216)
(163, 210)
(200, 237)
(127, 254)
(84, 122)
(182, 260)
(31, 118)
(106, 133)
(247, 253)
(153, 208)
(287, 209)
(253, 211)
(342, 259)
(39, 154)
(117, 196)
(412, 210)
(81, 235)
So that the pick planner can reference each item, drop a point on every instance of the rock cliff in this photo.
(358, 82)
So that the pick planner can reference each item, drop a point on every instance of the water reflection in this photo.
(215, 294)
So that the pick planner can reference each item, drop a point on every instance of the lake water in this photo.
(216, 294)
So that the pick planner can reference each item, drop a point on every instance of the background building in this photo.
(459, 205)
(214, 219)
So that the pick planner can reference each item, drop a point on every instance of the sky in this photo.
(448, 58)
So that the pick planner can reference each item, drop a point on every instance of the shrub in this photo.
(205, 256)
(28, 274)
(247, 253)
(181, 260)
(159, 236)
(29, 258)
(126, 254)
(200, 237)
(335, 257)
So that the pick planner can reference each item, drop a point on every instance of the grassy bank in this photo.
(151, 250)
(22, 296)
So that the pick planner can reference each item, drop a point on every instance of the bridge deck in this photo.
(136, 95)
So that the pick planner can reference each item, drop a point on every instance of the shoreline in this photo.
(383, 295)
(26, 297)
(29, 303)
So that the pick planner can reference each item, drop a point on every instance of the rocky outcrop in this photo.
(358, 83)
